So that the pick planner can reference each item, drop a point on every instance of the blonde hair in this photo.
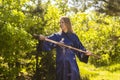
(67, 23)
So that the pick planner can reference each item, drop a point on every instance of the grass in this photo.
(90, 72)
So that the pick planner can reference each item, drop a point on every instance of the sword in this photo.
(67, 46)
(70, 47)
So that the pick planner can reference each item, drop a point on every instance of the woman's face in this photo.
(63, 26)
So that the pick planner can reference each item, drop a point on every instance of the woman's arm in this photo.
(82, 56)
(47, 46)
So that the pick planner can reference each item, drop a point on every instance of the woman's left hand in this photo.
(88, 53)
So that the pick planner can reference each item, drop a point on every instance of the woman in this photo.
(66, 66)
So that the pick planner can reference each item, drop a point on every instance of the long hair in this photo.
(67, 23)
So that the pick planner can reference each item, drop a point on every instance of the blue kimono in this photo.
(66, 66)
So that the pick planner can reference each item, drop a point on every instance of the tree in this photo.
(100, 34)
(110, 7)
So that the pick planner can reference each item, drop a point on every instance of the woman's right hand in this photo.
(39, 37)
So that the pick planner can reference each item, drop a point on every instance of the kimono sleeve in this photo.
(47, 46)
(82, 57)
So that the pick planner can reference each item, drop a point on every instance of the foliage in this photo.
(109, 7)
(100, 34)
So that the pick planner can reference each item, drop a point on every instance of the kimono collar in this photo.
(66, 33)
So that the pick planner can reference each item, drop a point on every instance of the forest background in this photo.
(96, 22)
